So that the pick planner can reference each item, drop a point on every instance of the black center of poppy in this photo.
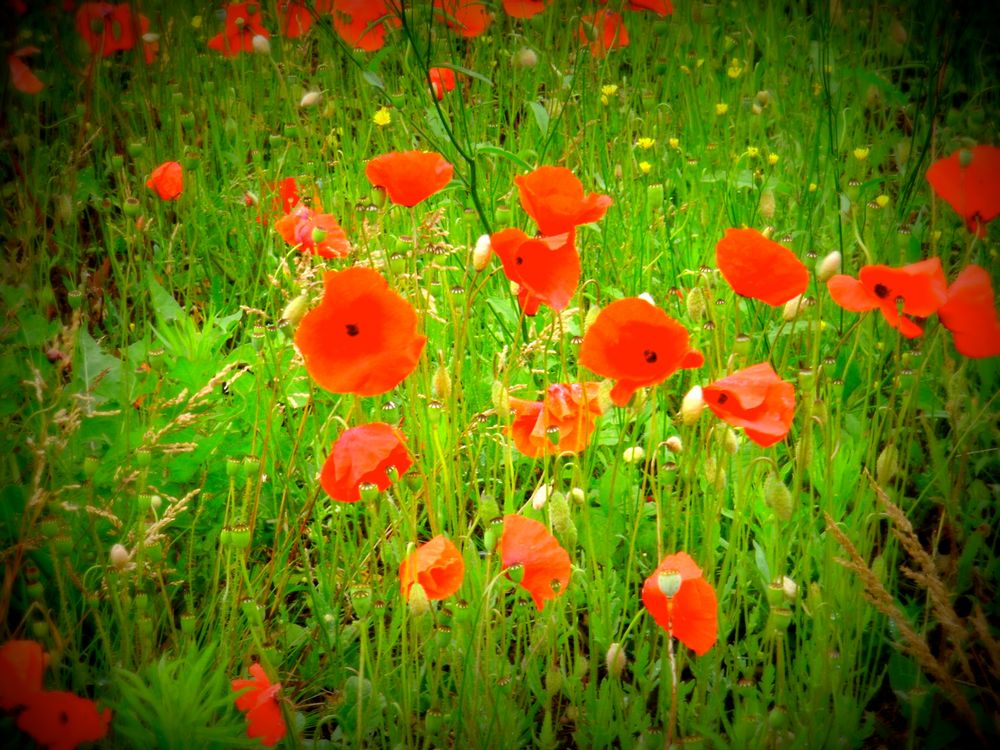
(723, 398)
(519, 260)
(881, 291)
(352, 330)
(63, 717)
(649, 355)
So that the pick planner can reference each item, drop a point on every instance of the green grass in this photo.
(154, 397)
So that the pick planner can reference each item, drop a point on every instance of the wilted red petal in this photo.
(409, 176)
(973, 190)
(363, 455)
(638, 345)
(59, 720)
(21, 666)
(971, 315)
(436, 565)
(755, 399)
(22, 77)
(554, 198)
(167, 180)
(760, 268)
(313, 232)
(260, 704)
(609, 28)
(363, 23)
(691, 615)
(545, 563)
(571, 408)
(362, 338)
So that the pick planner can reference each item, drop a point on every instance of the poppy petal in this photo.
(850, 294)
(22, 77)
(554, 198)
(969, 180)
(436, 565)
(409, 177)
(760, 268)
(755, 399)
(545, 564)
(363, 455)
(970, 314)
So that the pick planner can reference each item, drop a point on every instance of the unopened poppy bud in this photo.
(119, 557)
(715, 475)
(778, 497)
(562, 521)
(40, 629)
(615, 660)
(525, 58)
(829, 266)
(310, 99)
(887, 464)
(368, 491)
(589, 30)
(261, 44)
(417, 601)
(482, 253)
(35, 590)
(516, 572)
(674, 444)
(669, 582)
(295, 309)
(696, 303)
(578, 496)
(441, 382)
(488, 508)
(592, 312)
(554, 680)
(777, 718)
(692, 405)
(633, 454)
(540, 495)
(793, 307)
(789, 588)
(727, 439)
(767, 204)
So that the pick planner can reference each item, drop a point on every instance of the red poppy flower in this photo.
(436, 565)
(755, 399)
(524, 8)
(917, 289)
(545, 269)
(409, 176)
(637, 344)
(281, 199)
(543, 563)
(442, 80)
(659, 7)
(572, 409)
(60, 721)
(364, 455)
(608, 28)
(760, 268)
(691, 614)
(362, 337)
(317, 233)
(107, 28)
(554, 198)
(21, 76)
(363, 23)
(243, 23)
(969, 180)
(468, 17)
(294, 18)
(167, 180)
(21, 666)
(969, 313)
(260, 704)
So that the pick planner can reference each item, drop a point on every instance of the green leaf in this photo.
(467, 72)
(541, 117)
(491, 150)
(373, 79)
(164, 304)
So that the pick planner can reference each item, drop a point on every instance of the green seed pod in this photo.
(117, 161)
(135, 149)
(368, 491)
(778, 497)
(778, 620)
(131, 207)
(775, 593)
(516, 572)
(40, 629)
(188, 624)
(240, 536)
(145, 626)
(35, 591)
(361, 601)
(654, 194)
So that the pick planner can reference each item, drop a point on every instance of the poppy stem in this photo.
(672, 719)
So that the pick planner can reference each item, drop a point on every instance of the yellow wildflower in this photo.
(772, 159)
(645, 143)
(675, 143)
(645, 167)
(721, 108)
(882, 200)
(753, 152)
(735, 68)
(382, 117)
(860, 153)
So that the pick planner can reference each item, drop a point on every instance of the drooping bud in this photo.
(767, 204)
(418, 602)
(615, 660)
(674, 444)
(829, 266)
(633, 454)
(310, 99)
(525, 58)
(696, 303)
(887, 464)
(692, 406)
(295, 310)
(540, 496)
(562, 521)
(501, 399)
(441, 380)
(647, 297)
(592, 312)
(119, 557)
(778, 497)
(482, 253)
(261, 44)
(793, 307)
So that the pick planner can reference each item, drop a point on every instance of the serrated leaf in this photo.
(164, 304)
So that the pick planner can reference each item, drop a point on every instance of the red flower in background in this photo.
(608, 31)
(409, 176)
(363, 455)
(659, 7)
(281, 199)
(363, 23)
(544, 564)
(969, 180)
(21, 76)
(970, 314)
(167, 180)
(524, 8)
(436, 565)
(317, 233)
(362, 337)
(59, 720)
(554, 198)
(243, 23)
(917, 289)
(755, 399)
(260, 704)
(441, 80)
(691, 613)
(546, 269)
(294, 18)
(570, 411)
(637, 344)
(760, 268)
(21, 666)
(108, 28)
(468, 17)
